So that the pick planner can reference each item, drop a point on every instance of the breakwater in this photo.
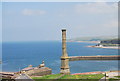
(76, 58)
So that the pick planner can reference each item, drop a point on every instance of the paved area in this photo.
(112, 74)
(103, 79)
(23, 77)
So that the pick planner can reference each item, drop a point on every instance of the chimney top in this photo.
(63, 29)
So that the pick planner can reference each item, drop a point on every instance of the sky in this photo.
(43, 21)
(0, 22)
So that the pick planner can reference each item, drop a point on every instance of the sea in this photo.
(18, 55)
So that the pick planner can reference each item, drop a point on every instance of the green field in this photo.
(116, 78)
(91, 77)
(47, 76)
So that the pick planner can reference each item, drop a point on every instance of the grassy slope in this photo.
(47, 76)
(91, 77)
(116, 78)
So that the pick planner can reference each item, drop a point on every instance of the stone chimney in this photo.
(64, 58)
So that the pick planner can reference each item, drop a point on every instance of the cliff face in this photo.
(112, 41)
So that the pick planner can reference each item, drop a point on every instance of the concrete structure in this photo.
(37, 71)
(64, 58)
(110, 57)
(7, 75)
(23, 77)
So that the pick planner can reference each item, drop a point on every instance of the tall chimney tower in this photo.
(64, 58)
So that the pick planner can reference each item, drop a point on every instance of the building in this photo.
(37, 71)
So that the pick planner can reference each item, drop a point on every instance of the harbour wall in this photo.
(77, 58)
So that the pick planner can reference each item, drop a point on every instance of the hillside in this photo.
(97, 38)
(112, 41)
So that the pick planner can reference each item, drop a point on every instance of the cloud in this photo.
(96, 8)
(30, 12)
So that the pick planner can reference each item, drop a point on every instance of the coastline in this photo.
(110, 47)
(86, 41)
(96, 42)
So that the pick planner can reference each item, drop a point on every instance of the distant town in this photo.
(101, 42)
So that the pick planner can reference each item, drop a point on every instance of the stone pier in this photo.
(103, 57)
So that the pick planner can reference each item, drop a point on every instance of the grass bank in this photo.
(53, 76)
(90, 77)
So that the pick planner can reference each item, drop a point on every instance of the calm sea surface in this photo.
(16, 56)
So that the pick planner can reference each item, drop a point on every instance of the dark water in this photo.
(16, 56)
